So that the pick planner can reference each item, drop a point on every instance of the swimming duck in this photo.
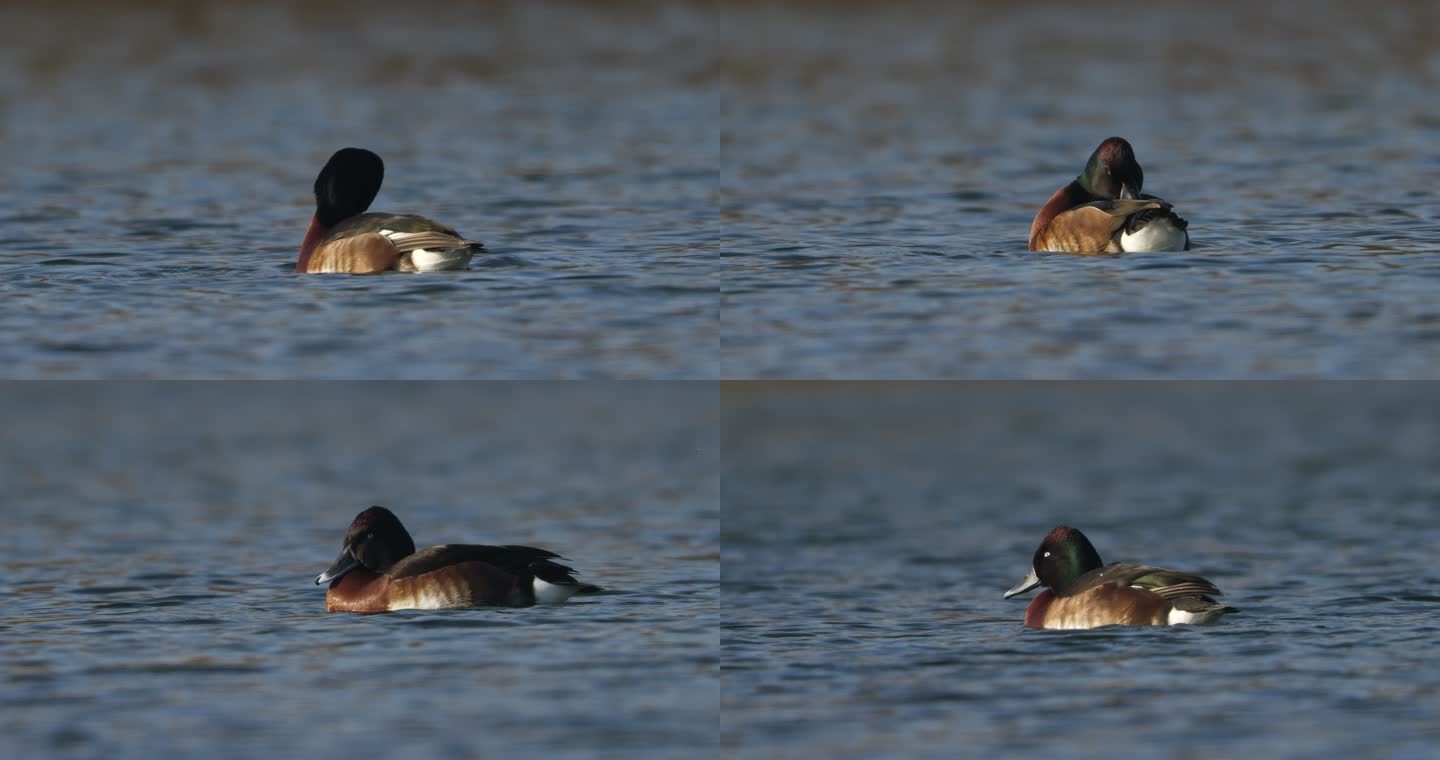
(343, 238)
(379, 570)
(1083, 593)
(1103, 210)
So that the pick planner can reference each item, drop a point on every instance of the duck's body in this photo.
(1082, 593)
(1103, 210)
(342, 238)
(379, 570)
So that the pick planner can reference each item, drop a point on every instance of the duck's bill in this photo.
(343, 565)
(1031, 581)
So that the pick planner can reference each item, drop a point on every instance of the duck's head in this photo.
(375, 541)
(1064, 555)
(344, 188)
(347, 185)
(1112, 171)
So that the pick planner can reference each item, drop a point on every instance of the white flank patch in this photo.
(550, 593)
(1181, 617)
(1158, 235)
(439, 261)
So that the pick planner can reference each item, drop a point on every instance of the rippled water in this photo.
(159, 159)
(881, 166)
(162, 540)
(870, 531)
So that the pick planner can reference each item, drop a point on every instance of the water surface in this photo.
(162, 541)
(870, 532)
(881, 165)
(159, 159)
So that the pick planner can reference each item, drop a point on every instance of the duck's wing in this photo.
(1124, 207)
(420, 244)
(1170, 584)
(1091, 227)
(515, 560)
(408, 232)
(1173, 584)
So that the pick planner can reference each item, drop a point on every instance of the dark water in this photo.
(161, 543)
(159, 159)
(881, 166)
(871, 530)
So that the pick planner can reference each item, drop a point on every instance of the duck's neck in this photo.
(313, 236)
(1035, 613)
(1063, 200)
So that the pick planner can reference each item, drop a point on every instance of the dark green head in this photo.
(1112, 171)
(1064, 555)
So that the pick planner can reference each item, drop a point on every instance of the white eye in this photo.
(1047, 554)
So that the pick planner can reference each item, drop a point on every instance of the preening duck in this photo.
(342, 238)
(1103, 210)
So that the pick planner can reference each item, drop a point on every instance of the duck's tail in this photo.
(1155, 229)
(554, 582)
(432, 251)
(1197, 610)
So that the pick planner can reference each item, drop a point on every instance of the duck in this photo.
(1083, 593)
(343, 238)
(1103, 210)
(378, 570)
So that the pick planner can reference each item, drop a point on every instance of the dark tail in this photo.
(560, 575)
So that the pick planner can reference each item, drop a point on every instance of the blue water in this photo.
(159, 163)
(162, 541)
(870, 531)
(881, 165)
(824, 190)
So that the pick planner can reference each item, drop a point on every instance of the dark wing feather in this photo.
(1196, 587)
(1167, 583)
(511, 559)
(1125, 207)
(406, 242)
(1200, 605)
(1137, 220)
(376, 221)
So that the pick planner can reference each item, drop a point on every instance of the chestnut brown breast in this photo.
(359, 590)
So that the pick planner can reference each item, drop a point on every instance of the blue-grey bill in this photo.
(1031, 581)
(343, 565)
